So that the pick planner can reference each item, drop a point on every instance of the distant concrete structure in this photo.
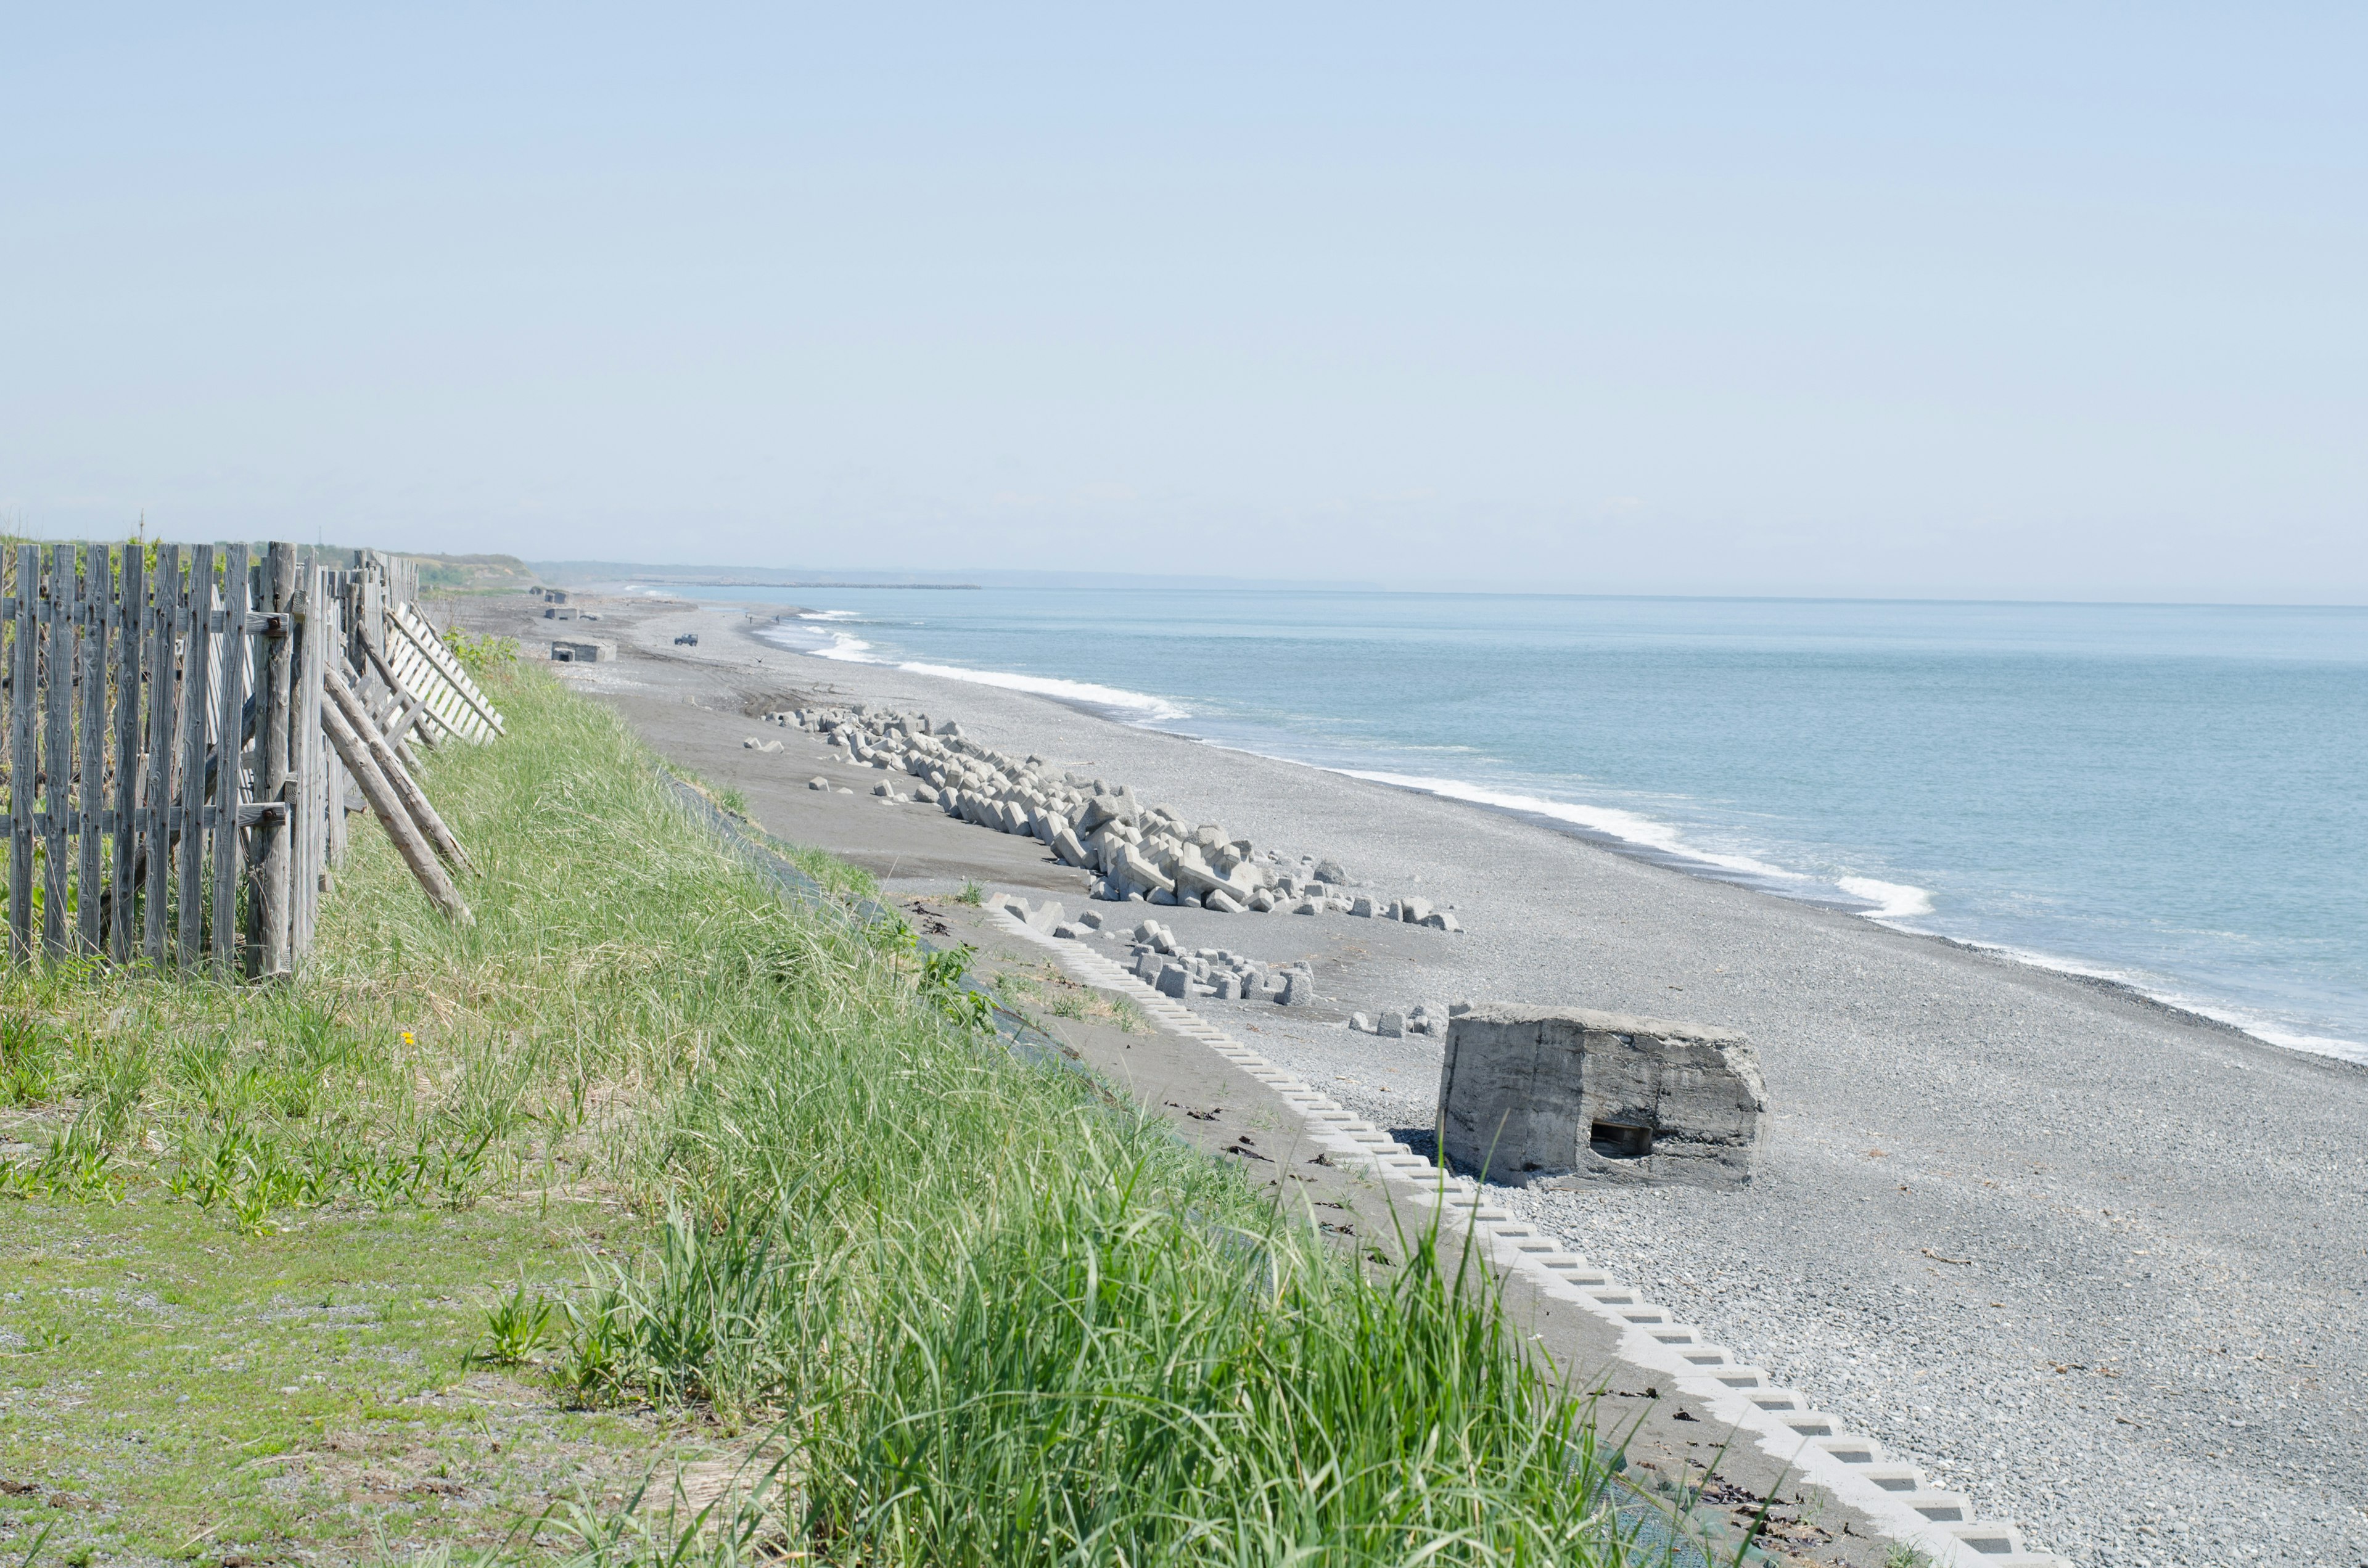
(561, 612)
(554, 596)
(1563, 1097)
(583, 650)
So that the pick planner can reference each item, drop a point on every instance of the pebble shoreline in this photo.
(2102, 1264)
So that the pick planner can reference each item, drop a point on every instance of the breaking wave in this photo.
(1628, 827)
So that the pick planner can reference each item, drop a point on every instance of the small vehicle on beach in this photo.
(687, 640)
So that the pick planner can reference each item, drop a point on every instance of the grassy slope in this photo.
(994, 1316)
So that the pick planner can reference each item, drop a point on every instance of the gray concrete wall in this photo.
(1566, 1096)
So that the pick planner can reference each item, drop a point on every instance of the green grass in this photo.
(179, 1388)
(658, 1165)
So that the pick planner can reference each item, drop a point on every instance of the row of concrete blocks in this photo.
(1784, 1422)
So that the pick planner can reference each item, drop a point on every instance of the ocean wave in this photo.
(820, 643)
(2153, 989)
(828, 614)
(1892, 901)
(1134, 707)
(1629, 827)
(1137, 707)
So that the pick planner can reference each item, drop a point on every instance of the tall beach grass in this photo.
(976, 1309)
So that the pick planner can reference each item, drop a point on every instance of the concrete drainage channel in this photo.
(1784, 1423)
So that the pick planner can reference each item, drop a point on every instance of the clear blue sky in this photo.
(2010, 301)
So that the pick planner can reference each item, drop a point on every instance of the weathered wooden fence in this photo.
(172, 792)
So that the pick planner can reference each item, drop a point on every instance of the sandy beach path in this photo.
(2102, 1264)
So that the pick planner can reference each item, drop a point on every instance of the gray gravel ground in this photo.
(2099, 1263)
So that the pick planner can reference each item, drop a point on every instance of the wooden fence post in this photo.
(189, 862)
(273, 845)
(230, 764)
(57, 742)
(124, 616)
(156, 819)
(306, 761)
(22, 765)
(90, 773)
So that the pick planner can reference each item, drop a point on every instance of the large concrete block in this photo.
(1561, 1096)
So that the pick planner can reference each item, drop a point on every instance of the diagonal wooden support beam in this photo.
(392, 815)
(414, 799)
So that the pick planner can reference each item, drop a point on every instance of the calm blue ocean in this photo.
(2172, 796)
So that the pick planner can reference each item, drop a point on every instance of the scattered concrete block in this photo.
(882, 789)
(1229, 987)
(1440, 920)
(1361, 1024)
(1391, 1026)
(1413, 910)
(1174, 980)
(1330, 872)
(1297, 991)
(1091, 919)
(1363, 906)
(923, 792)
(817, 783)
(1221, 901)
(1561, 1096)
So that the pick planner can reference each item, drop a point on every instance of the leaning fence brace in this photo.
(134, 831)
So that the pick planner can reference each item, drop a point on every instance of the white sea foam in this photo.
(1137, 706)
(1629, 827)
(2152, 987)
(1892, 901)
(827, 613)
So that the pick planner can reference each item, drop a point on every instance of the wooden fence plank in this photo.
(127, 619)
(156, 846)
(90, 777)
(310, 762)
(273, 850)
(230, 771)
(57, 742)
(22, 765)
(421, 635)
(196, 688)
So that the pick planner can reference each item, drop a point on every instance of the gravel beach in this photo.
(2101, 1264)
